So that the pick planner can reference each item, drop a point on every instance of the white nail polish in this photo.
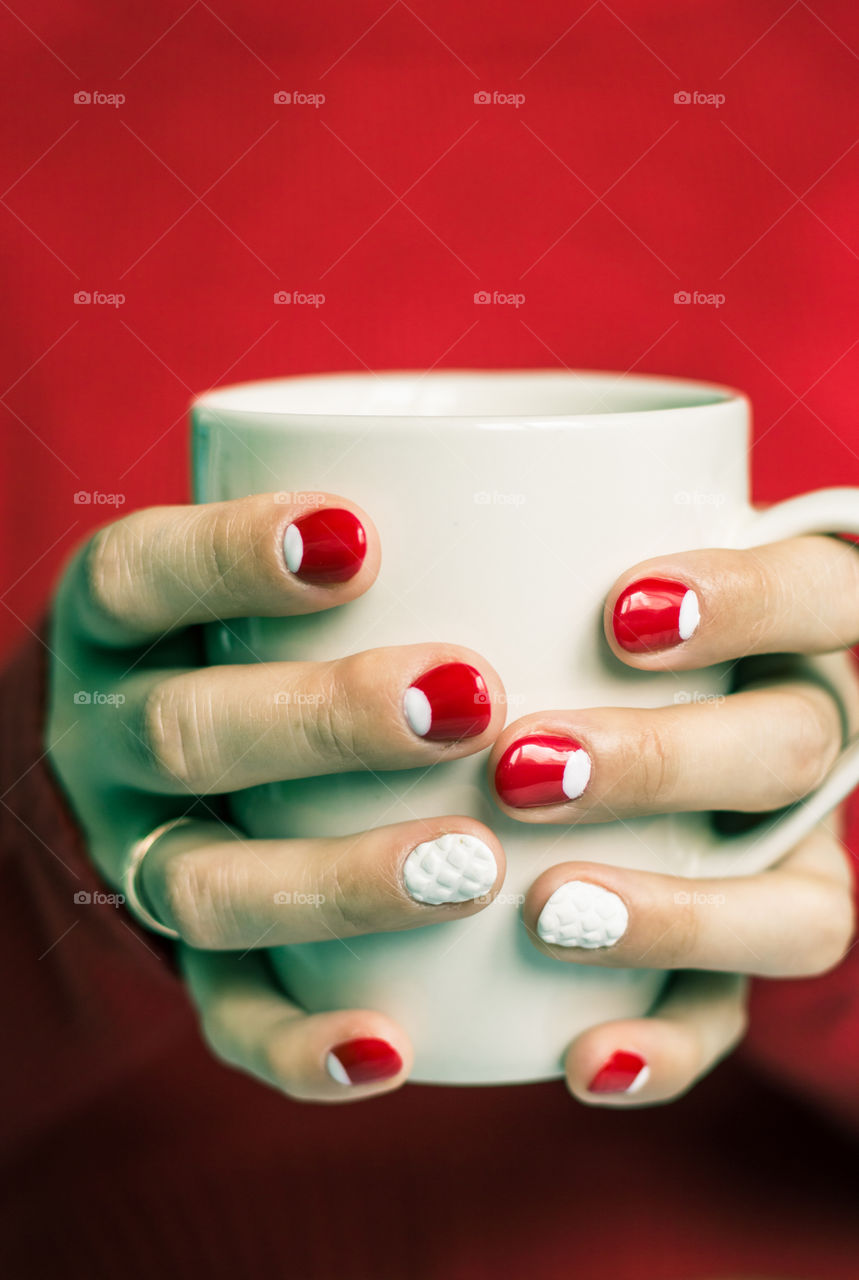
(690, 615)
(640, 1080)
(580, 914)
(577, 773)
(293, 548)
(336, 1069)
(453, 868)
(418, 711)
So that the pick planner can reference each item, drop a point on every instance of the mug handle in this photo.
(824, 511)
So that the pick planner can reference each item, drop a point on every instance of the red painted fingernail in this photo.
(363, 1061)
(655, 613)
(325, 546)
(542, 770)
(623, 1073)
(448, 702)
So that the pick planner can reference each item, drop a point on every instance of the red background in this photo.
(199, 197)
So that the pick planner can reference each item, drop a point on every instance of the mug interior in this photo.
(466, 394)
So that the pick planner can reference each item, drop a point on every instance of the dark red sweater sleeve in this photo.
(79, 970)
(83, 967)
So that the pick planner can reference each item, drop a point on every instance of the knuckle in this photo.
(106, 573)
(808, 747)
(834, 933)
(185, 900)
(172, 736)
(333, 715)
(656, 772)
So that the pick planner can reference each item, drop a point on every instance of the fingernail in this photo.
(655, 613)
(580, 914)
(622, 1073)
(453, 868)
(541, 770)
(448, 702)
(325, 546)
(363, 1062)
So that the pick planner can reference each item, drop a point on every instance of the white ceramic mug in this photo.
(507, 504)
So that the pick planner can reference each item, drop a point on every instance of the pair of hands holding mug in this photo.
(163, 737)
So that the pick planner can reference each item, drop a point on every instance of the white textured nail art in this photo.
(418, 711)
(690, 615)
(293, 548)
(580, 914)
(453, 868)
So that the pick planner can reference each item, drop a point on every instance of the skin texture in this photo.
(167, 735)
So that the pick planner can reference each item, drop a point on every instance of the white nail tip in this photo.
(416, 706)
(577, 772)
(640, 1080)
(453, 868)
(293, 548)
(336, 1069)
(580, 914)
(690, 616)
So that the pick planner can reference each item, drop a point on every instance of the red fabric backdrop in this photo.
(597, 197)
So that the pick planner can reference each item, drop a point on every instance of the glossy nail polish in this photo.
(623, 1073)
(363, 1062)
(655, 613)
(581, 914)
(541, 770)
(325, 546)
(447, 703)
(452, 868)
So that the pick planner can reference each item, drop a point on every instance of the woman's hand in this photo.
(763, 747)
(140, 735)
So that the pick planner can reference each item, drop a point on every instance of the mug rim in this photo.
(693, 397)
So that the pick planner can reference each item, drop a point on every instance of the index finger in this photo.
(168, 567)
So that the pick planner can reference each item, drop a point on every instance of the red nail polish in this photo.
(541, 770)
(623, 1073)
(655, 613)
(325, 546)
(363, 1061)
(448, 702)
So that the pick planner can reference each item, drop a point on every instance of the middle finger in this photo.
(752, 751)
